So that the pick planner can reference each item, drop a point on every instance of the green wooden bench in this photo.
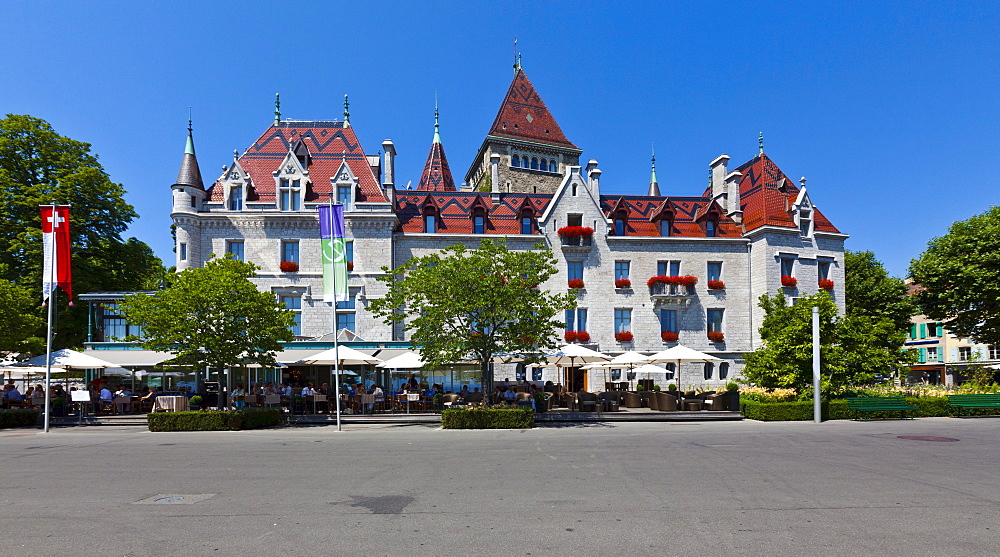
(880, 404)
(969, 402)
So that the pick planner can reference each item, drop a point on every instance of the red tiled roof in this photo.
(329, 144)
(523, 115)
(764, 204)
(437, 174)
(641, 209)
(456, 211)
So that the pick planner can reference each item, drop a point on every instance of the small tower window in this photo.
(542, 165)
(552, 166)
(525, 162)
(534, 164)
(515, 160)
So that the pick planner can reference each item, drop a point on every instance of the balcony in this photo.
(670, 294)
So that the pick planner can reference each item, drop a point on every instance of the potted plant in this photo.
(672, 388)
(570, 336)
(623, 283)
(541, 405)
(656, 388)
(575, 283)
(288, 266)
(195, 402)
(623, 336)
(298, 404)
(350, 266)
(438, 401)
(788, 282)
(687, 281)
(575, 235)
(669, 336)
(716, 336)
(826, 284)
(716, 285)
(732, 396)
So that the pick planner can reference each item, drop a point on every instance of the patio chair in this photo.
(588, 402)
(645, 395)
(632, 400)
(716, 401)
(665, 402)
(652, 402)
(474, 397)
(450, 399)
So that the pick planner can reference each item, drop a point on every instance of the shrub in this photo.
(716, 336)
(623, 336)
(672, 387)
(288, 266)
(788, 282)
(732, 386)
(196, 400)
(826, 284)
(623, 283)
(716, 285)
(575, 283)
(781, 411)
(18, 418)
(228, 420)
(656, 387)
(487, 418)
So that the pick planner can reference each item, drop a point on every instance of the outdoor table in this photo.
(315, 399)
(693, 405)
(171, 403)
(123, 404)
(272, 400)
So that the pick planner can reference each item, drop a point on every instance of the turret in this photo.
(188, 195)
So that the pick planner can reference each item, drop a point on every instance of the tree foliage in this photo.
(854, 349)
(38, 166)
(479, 303)
(960, 276)
(212, 316)
(17, 307)
(869, 290)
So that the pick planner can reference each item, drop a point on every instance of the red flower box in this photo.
(716, 336)
(716, 285)
(582, 336)
(669, 336)
(350, 266)
(570, 336)
(288, 266)
(687, 280)
(575, 283)
(788, 282)
(623, 283)
(624, 336)
(574, 231)
(826, 284)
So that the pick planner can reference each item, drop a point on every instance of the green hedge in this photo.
(227, 420)
(931, 406)
(487, 418)
(18, 418)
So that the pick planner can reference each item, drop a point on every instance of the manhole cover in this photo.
(927, 438)
(174, 499)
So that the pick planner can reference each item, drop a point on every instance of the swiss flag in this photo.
(55, 236)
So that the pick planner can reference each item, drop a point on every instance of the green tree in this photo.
(479, 303)
(38, 166)
(854, 349)
(212, 316)
(17, 306)
(869, 290)
(960, 276)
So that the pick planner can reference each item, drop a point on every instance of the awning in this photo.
(131, 358)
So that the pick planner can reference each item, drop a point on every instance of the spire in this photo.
(654, 186)
(437, 125)
(347, 114)
(760, 143)
(189, 173)
(437, 174)
(523, 115)
(277, 109)
(517, 57)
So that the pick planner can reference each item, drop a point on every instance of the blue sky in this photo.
(889, 109)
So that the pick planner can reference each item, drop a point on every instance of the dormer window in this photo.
(805, 222)
(479, 224)
(430, 222)
(711, 227)
(527, 224)
(665, 226)
(619, 227)
(345, 196)
(289, 194)
(236, 198)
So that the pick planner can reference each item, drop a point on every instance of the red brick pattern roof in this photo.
(523, 115)
(456, 211)
(437, 174)
(764, 203)
(329, 144)
(641, 211)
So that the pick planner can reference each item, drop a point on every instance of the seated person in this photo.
(464, 391)
(105, 394)
(238, 393)
(308, 390)
(151, 395)
(509, 394)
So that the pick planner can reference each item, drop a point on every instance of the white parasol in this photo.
(681, 355)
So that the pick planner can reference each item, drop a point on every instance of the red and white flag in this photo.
(55, 236)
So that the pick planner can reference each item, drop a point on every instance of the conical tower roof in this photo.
(654, 186)
(523, 115)
(189, 174)
(437, 174)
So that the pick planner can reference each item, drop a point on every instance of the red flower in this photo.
(350, 266)
(623, 283)
(716, 336)
(658, 279)
(288, 266)
(570, 336)
(826, 284)
(686, 281)
(788, 282)
(582, 336)
(575, 283)
(624, 336)
(716, 285)
(669, 336)
(572, 231)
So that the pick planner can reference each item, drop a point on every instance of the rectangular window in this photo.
(669, 268)
(575, 269)
(294, 303)
(994, 352)
(574, 220)
(938, 330)
(932, 354)
(576, 319)
(184, 251)
(787, 267)
(236, 198)
(234, 248)
(714, 270)
(621, 269)
(346, 320)
(344, 197)
(668, 320)
(823, 268)
(526, 227)
(964, 353)
(623, 320)
(349, 244)
(290, 251)
(714, 319)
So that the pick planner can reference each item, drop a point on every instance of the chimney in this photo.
(594, 178)
(389, 181)
(719, 170)
(732, 186)
(495, 177)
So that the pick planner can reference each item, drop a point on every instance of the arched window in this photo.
(542, 165)
(709, 370)
(478, 224)
(670, 370)
(527, 226)
(619, 227)
(665, 226)
(525, 163)
(724, 370)
(430, 222)
(515, 160)
(552, 166)
(710, 228)
(534, 164)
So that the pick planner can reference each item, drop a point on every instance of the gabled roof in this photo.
(329, 144)
(455, 211)
(437, 174)
(767, 194)
(189, 173)
(523, 115)
(686, 210)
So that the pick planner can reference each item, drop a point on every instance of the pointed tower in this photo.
(437, 174)
(654, 186)
(188, 196)
(533, 150)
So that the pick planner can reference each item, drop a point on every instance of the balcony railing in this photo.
(670, 294)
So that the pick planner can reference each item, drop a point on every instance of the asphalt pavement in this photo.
(895, 487)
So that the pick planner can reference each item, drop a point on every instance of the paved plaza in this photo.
(893, 487)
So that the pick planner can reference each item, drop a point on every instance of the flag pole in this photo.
(48, 335)
(333, 319)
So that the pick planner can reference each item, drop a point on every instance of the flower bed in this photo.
(487, 418)
(576, 231)
(288, 266)
(575, 283)
(716, 285)
(669, 336)
(788, 282)
(678, 280)
(623, 283)
(826, 284)
(623, 336)
(716, 336)
(228, 420)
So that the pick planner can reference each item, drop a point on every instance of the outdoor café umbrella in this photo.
(340, 356)
(681, 355)
(406, 360)
(572, 355)
(70, 359)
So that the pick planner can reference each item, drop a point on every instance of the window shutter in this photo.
(913, 330)
(923, 330)
(923, 355)
(954, 354)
